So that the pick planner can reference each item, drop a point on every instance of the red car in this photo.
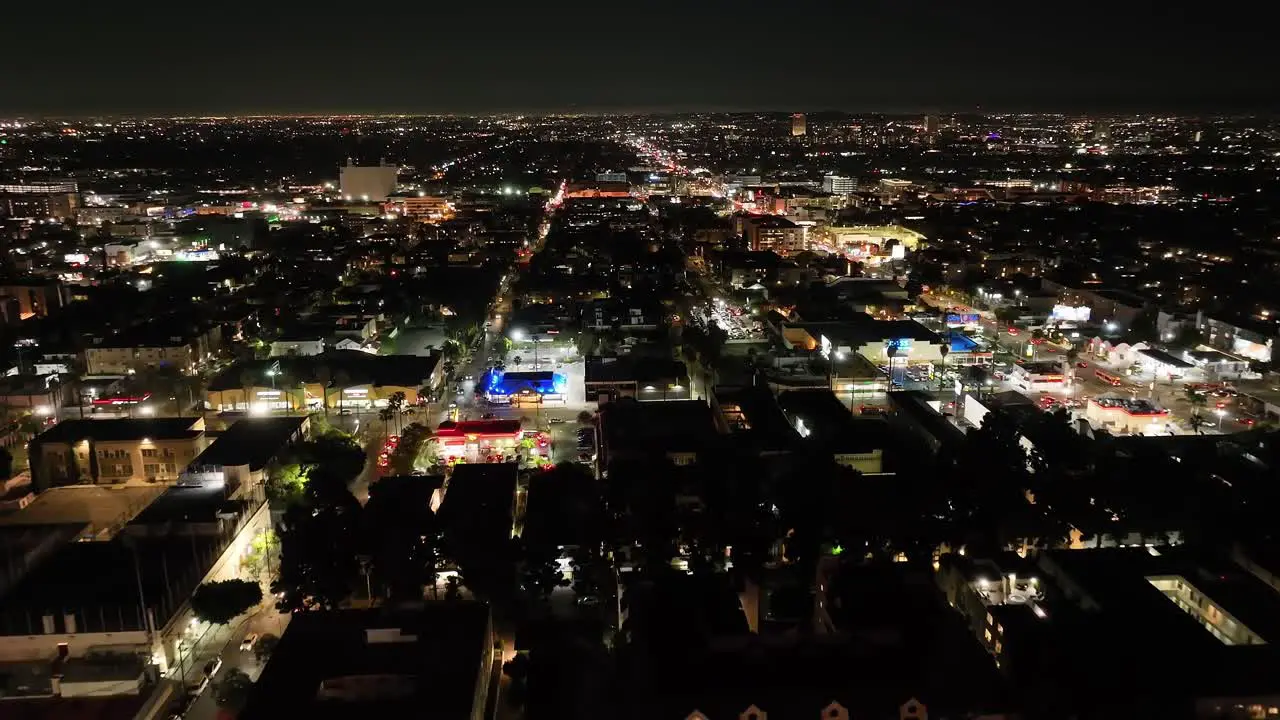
(1013, 331)
(1082, 364)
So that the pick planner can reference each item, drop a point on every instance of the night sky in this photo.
(499, 55)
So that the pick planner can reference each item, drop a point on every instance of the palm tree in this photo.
(946, 348)
(248, 381)
(1197, 400)
(385, 415)
(395, 404)
(341, 379)
(324, 376)
(1197, 422)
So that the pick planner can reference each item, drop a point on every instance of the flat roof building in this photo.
(433, 661)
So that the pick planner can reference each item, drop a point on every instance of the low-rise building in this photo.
(117, 451)
(642, 378)
(1038, 376)
(153, 345)
(380, 662)
(239, 456)
(1128, 415)
(819, 418)
(335, 379)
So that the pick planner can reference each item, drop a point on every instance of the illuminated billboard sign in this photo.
(955, 319)
(1070, 313)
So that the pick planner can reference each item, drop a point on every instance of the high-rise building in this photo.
(931, 124)
(839, 184)
(371, 183)
(797, 124)
(1102, 131)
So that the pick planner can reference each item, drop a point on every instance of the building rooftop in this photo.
(123, 430)
(98, 509)
(753, 413)
(660, 427)
(450, 428)
(633, 368)
(423, 662)
(188, 503)
(98, 582)
(251, 441)
(358, 368)
(479, 498)
(828, 422)
(1164, 358)
(1133, 406)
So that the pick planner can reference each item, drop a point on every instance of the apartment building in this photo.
(116, 452)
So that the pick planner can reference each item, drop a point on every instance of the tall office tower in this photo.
(1101, 131)
(797, 125)
(931, 124)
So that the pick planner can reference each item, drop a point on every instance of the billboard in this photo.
(1070, 313)
(957, 319)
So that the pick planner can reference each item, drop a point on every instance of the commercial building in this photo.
(335, 379)
(871, 243)
(301, 346)
(478, 440)
(1038, 376)
(1251, 338)
(39, 206)
(797, 124)
(1128, 415)
(116, 451)
(430, 208)
(679, 431)
(367, 183)
(839, 184)
(894, 344)
(436, 658)
(523, 388)
(769, 232)
(642, 378)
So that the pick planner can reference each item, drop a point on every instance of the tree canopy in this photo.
(222, 601)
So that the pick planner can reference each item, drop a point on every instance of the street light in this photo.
(517, 334)
(1221, 414)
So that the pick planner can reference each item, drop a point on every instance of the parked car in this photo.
(248, 641)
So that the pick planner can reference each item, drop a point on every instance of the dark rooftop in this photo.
(480, 498)
(672, 426)
(251, 441)
(437, 651)
(360, 368)
(634, 369)
(831, 424)
(121, 429)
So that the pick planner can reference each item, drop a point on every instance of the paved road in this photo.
(265, 620)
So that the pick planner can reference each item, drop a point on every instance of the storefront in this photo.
(478, 440)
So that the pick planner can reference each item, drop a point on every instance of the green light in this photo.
(837, 550)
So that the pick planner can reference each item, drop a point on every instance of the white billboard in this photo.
(1070, 313)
